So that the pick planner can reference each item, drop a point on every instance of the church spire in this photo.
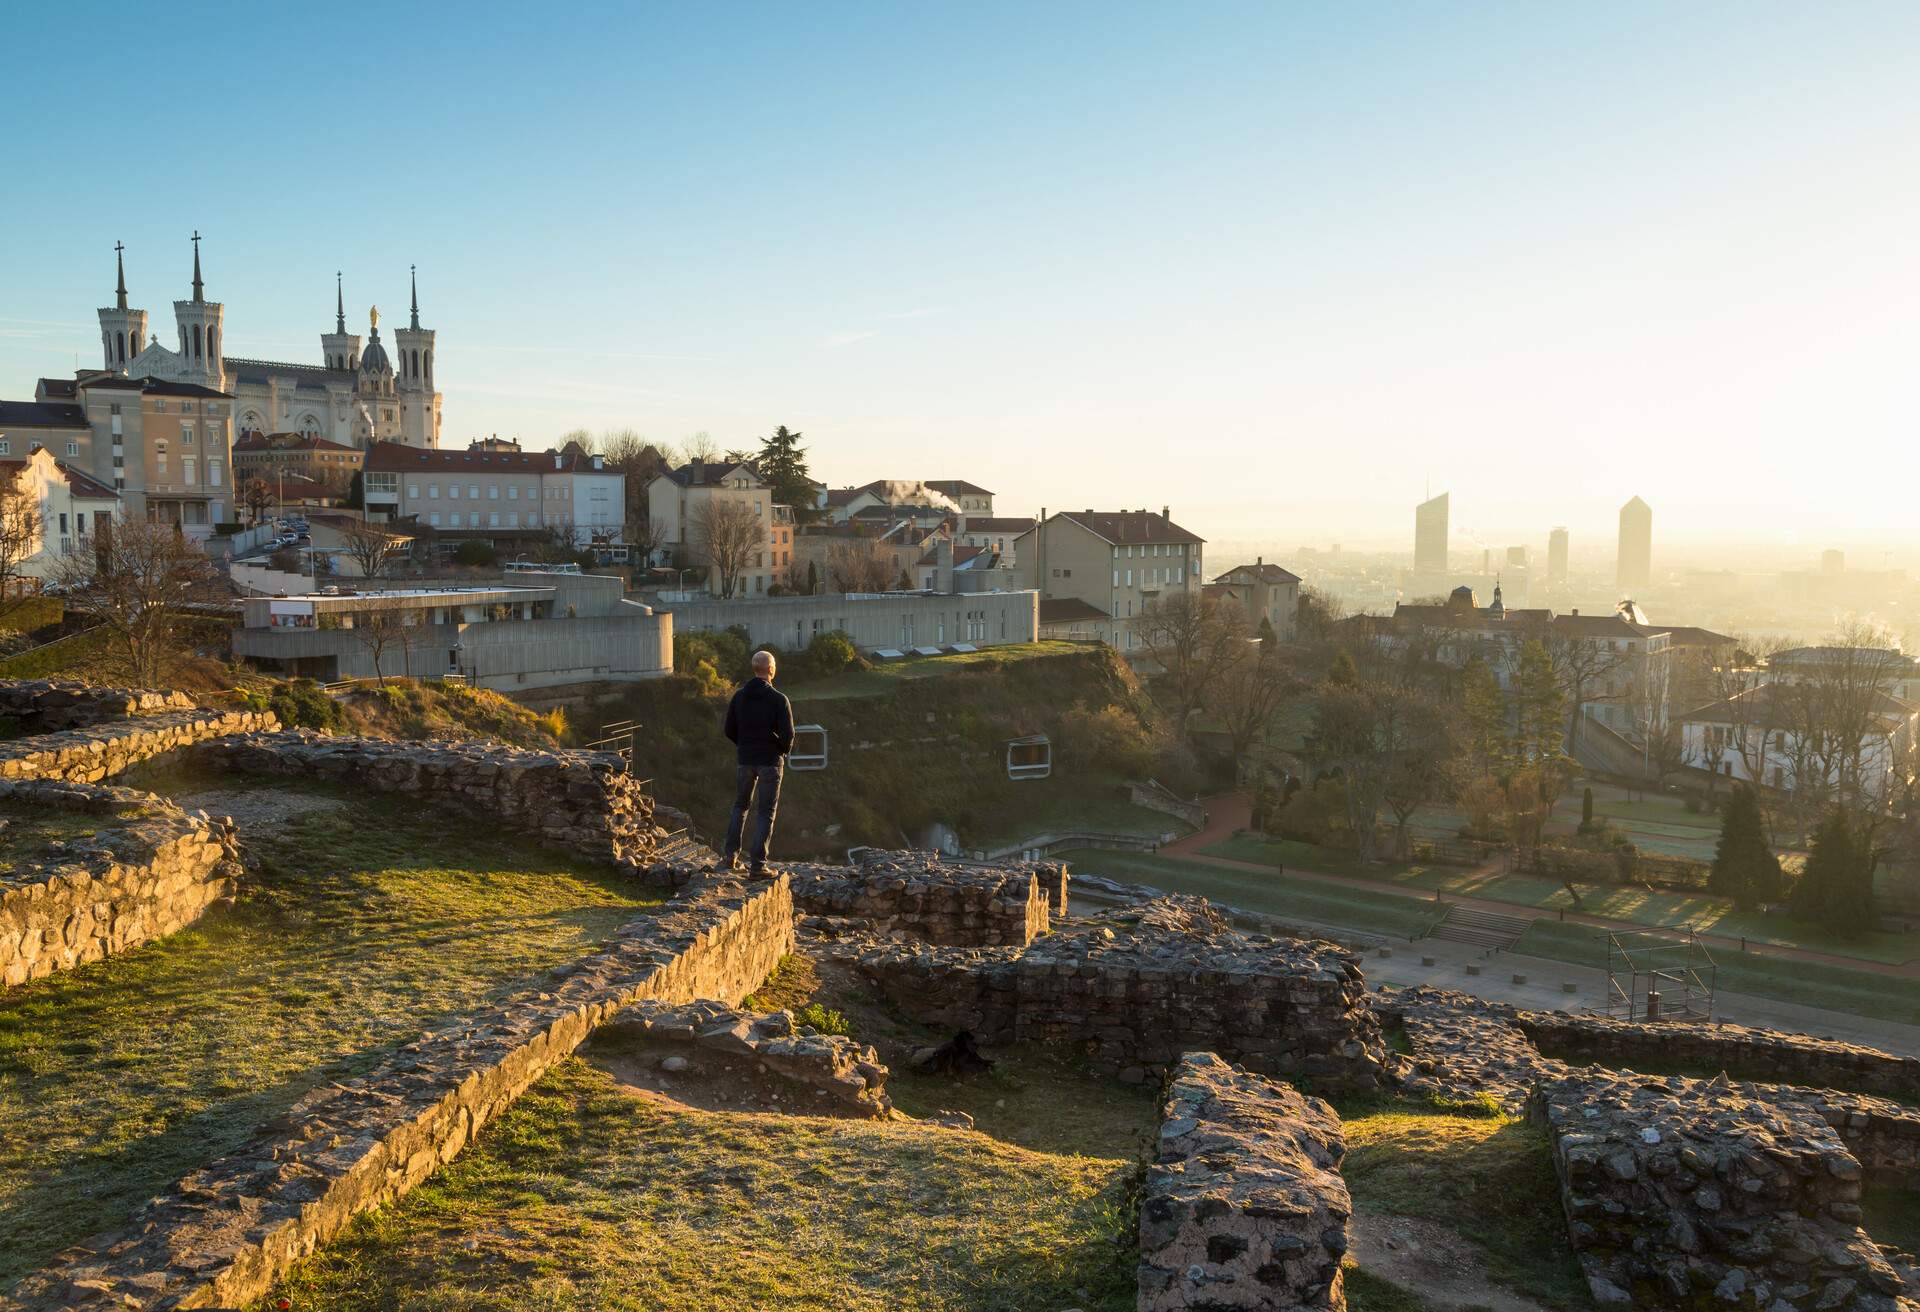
(339, 304)
(199, 295)
(120, 268)
(413, 274)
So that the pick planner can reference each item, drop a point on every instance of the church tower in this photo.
(378, 419)
(419, 403)
(123, 332)
(202, 326)
(340, 348)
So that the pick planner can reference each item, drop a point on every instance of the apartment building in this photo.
(682, 503)
(313, 460)
(1268, 592)
(1114, 561)
(491, 492)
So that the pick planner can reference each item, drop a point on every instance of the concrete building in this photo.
(1557, 556)
(360, 394)
(1268, 592)
(1116, 561)
(534, 630)
(1635, 569)
(682, 502)
(493, 493)
(1430, 536)
(893, 621)
(70, 506)
(318, 461)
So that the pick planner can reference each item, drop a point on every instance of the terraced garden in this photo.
(367, 921)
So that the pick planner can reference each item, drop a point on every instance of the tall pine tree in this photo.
(782, 463)
(1744, 866)
(1836, 888)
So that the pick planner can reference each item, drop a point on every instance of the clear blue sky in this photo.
(1277, 265)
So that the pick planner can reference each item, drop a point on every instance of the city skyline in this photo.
(791, 224)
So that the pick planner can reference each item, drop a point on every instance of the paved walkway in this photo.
(1232, 811)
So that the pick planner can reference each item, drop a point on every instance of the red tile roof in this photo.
(289, 442)
(1121, 527)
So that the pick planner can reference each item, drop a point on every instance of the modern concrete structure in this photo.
(1635, 569)
(1430, 536)
(1557, 556)
(534, 630)
(898, 621)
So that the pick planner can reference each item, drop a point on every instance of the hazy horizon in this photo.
(1282, 269)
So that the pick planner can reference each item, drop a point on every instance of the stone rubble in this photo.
(1244, 1206)
(848, 1071)
(50, 705)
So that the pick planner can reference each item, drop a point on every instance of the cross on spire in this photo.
(413, 274)
(198, 294)
(120, 268)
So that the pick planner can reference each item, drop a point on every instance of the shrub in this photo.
(287, 561)
(477, 554)
(1110, 738)
(298, 704)
(824, 1019)
(830, 653)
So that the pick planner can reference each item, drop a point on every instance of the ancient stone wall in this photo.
(1134, 994)
(578, 802)
(1244, 1206)
(224, 1234)
(150, 869)
(103, 750)
(50, 705)
(1682, 1193)
(935, 901)
(842, 1069)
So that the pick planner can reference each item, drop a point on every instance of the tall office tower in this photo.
(1430, 536)
(1557, 556)
(1636, 546)
(1521, 557)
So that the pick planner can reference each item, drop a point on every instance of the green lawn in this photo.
(25, 614)
(1810, 984)
(886, 676)
(75, 652)
(1276, 895)
(1071, 801)
(373, 919)
(1287, 852)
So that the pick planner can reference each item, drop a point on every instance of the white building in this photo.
(495, 491)
(71, 505)
(1764, 736)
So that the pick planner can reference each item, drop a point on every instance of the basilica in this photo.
(360, 393)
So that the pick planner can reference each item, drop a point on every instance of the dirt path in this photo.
(1227, 813)
(1440, 1265)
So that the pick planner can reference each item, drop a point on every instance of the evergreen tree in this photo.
(1343, 673)
(1267, 636)
(813, 578)
(1744, 867)
(1540, 708)
(1836, 889)
(357, 492)
(782, 463)
(1486, 713)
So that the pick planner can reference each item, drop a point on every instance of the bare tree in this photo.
(577, 437)
(860, 565)
(645, 535)
(137, 582)
(701, 446)
(373, 549)
(1588, 670)
(1245, 697)
(22, 534)
(1390, 744)
(729, 534)
(256, 495)
(1315, 614)
(1194, 639)
(382, 630)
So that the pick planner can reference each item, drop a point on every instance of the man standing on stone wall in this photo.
(760, 725)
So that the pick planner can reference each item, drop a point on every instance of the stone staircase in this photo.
(1481, 929)
(682, 846)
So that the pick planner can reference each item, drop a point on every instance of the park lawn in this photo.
(1287, 852)
(26, 614)
(1807, 983)
(1071, 802)
(1308, 901)
(584, 1196)
(369, 921)
(887, 676)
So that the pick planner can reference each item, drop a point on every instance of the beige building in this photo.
(999, 534)
(680, 503)
(71, 507)
(1114, 561)
(1268, 593)
(498, 494)
(316, 460)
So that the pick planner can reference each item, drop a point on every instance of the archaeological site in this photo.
(297, 1020)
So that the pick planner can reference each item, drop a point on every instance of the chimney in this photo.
(1166, 513)
(699, 471)
(556, 460)
(943, 567)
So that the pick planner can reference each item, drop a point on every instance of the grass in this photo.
(1806, 983)
(77, 653)
(1288, 852)
(887, 676)
(1488, 1177)
(1892, 1216)
(28, 614)
(370, 923)
(584, 1196)
(25, 831)
(1068, 801)
(1279, 895)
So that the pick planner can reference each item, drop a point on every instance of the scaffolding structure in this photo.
(1659, 976)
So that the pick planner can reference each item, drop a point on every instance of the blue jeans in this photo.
(749, 780)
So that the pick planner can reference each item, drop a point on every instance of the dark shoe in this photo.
(761, 872)
(725, 863)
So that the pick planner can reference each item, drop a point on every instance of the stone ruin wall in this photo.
(1170, 982)
(1243, 1206)
(103, 750)
(921, 896)
(149, 870)
(50, 705)
(1682, 1193)
(584, 803)
(223, 1235)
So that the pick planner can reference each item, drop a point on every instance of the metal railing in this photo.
(616, 736)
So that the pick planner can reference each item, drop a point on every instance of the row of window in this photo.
(1151, 549)
(555, 492)
(1150, 577)
(473, 519)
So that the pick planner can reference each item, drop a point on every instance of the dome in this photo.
(374, 360)
(1462, 598)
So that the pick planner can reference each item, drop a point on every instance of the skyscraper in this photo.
(1557, 556)
(1636, 546)
(1430, 536)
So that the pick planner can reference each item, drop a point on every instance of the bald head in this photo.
(763, 665)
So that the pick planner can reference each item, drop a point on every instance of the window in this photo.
(187, 469)
(600, 494)
(513, 519)
(186, 433)
(513, 492)
(160, 458)
(473, 519)
(493, 519)
(433, 490)
(453, 491)
(6, 447)
(73, 448)
(213, 473)
(473, 491)
(493, 491)
(413, 491)
(433, 518)
(1116, 578)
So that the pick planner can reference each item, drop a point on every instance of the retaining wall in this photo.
(935, 901)
(149, 870)
(579, 802)
(100, 751)
(223, 1235)
(49, 705)
(1244, 1206)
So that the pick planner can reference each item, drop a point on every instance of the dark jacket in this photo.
(760, 723)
